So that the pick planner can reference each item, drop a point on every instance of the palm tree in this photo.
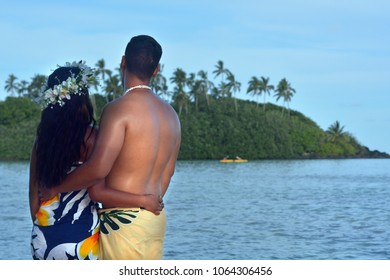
(335, 131)
(113, 87)
(179, 78)
(101, 69)
(206, 85)
(159, 84)
(264, 87)
(285, 91)
(223, 89)
(179, 95)
(232, 87)
(95, 83)
(102, 74)
(23, 88)
(220, 69)
(254, 88)
(35, 87)
(11, 85)
(181, 99)
(193, 86)
(198, 87)
(223, 72)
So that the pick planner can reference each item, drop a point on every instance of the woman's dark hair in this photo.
(61, 132)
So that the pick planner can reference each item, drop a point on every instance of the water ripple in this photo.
(315, 209)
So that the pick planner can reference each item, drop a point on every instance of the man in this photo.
(136, 151)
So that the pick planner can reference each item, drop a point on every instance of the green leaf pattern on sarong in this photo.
(114, 218)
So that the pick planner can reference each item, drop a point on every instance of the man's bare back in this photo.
(151, 140)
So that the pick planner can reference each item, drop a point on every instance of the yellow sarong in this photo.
(131, 234)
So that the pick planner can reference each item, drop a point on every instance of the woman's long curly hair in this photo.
(62, 131)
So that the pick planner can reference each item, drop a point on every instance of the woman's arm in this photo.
(33, 186)
(114, 198)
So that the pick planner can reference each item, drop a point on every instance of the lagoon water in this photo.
(290, 209)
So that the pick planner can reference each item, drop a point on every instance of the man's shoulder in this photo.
(124, 110)
(116, 104)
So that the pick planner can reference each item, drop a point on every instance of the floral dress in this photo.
(66, 228)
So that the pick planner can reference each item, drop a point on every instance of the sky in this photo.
(334, 53)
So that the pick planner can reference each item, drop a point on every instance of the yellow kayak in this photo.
(226, 160)
(240, 160)
(233, 160)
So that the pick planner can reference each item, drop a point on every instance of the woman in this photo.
(67, 226)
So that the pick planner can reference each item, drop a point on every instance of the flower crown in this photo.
(73, 85)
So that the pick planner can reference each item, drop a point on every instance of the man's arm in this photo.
(107, 147)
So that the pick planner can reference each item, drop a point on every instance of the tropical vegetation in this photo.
(214, 122)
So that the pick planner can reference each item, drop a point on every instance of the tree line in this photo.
(214, 122)
(187, 87)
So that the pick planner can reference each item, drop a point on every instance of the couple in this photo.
(126, 165)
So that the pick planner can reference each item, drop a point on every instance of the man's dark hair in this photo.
(142, 56)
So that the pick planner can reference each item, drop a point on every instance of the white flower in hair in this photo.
(73, 85)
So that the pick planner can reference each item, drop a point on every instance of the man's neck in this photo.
(131, 80)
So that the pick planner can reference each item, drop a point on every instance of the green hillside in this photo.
(210, 130)
(218, 130)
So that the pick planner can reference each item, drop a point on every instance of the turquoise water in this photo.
(308, 209)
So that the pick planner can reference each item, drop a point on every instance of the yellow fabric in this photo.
(131, 234)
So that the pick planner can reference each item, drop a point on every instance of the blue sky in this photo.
(334, 53)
